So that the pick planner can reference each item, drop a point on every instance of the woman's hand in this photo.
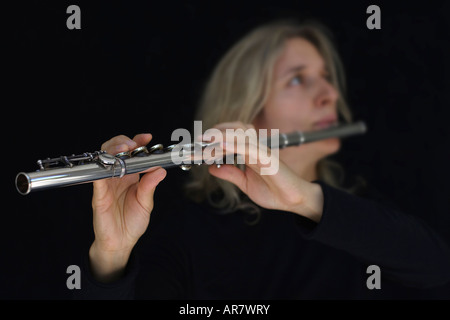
(283, 190)
(121, 208)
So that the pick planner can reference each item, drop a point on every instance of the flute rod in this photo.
(298, 138)
(88, 167)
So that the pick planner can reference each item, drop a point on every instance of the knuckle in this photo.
(105, 145)
(121, 137)
(114, 142)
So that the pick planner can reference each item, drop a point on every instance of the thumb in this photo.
(100, 190)
(147, 186)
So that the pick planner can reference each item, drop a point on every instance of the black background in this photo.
(140, 67)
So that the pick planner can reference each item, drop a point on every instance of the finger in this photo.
(142, 139)
(101, 188)
(118, 144)
(257, 157)
(233, 135)
(220, 130)
(147, 186)
(238, 145)
(231, 174)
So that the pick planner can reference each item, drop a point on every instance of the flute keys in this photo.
(186, 167)
(157, 148)
(140, 152)
(107, 159)
(169, 148)
(123, 155)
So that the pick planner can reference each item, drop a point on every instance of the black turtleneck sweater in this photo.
(196, 253)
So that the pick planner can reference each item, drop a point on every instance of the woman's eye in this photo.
(296, 81)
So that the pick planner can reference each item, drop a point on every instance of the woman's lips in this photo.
(325, 124)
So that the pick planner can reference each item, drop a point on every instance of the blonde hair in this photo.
(238, 90)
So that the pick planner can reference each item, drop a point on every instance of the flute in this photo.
(90, 166)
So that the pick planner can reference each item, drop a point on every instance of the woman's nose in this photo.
(327, 94)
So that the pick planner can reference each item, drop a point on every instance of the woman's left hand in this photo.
(284, 190)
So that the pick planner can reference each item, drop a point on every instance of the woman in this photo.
(311, 238)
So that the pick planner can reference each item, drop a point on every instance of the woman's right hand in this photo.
(121, 209)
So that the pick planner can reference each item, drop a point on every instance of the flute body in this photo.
(88, 167)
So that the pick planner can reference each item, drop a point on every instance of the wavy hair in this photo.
(238, 89)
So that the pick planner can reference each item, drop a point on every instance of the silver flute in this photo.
(90, 166)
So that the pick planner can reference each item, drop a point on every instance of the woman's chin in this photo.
(329, 146)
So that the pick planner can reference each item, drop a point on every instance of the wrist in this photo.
(312, 205)
(108, 265)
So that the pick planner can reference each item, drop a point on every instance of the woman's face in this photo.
(302, 98)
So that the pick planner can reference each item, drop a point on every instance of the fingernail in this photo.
(121, 148)
(131, 144)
